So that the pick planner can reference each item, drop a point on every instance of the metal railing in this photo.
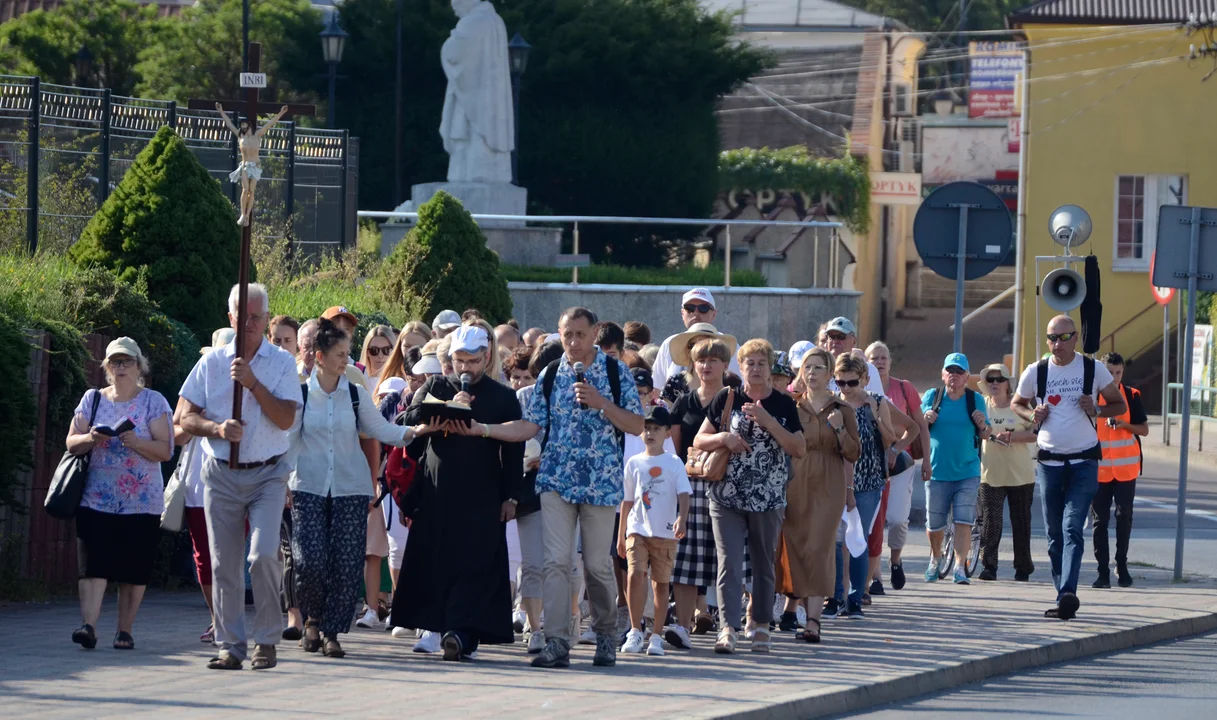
(834, 250)
(1202, 399)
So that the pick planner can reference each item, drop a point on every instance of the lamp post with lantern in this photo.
(84, 65)
(333, 42)
(517, 57)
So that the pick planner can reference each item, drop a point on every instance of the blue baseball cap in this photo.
(956, 360)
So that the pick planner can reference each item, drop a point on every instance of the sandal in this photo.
(264, 657)
(311, 642)
(224, 661)
(85, 637)
(123, 641)
(809, 635)
(331, 648)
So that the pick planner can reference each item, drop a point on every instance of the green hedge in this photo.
(18, 413)
(687, 275)
(845, 180)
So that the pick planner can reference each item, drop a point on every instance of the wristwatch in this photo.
(486, 430)
(513, 501)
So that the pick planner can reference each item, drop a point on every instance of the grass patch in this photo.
(309, 298)
(685, 275)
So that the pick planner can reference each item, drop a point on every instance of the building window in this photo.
(1137, 199)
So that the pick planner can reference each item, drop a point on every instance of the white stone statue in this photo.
(478, 125)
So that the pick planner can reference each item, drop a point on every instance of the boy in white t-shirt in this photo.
(654, 513)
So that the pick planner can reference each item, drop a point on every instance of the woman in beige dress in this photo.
(818, 489)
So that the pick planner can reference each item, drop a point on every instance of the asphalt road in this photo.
(1176, 680)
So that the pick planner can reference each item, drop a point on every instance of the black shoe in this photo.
(1123, 579)
(292, 633)
(517, 626)
(555, 655)
(1067, 606)
(876, 587)
(454, 649)
(988, 574)
(789, 622)
(897, 577)
(1102, 581)
(1022, 577)
(832, 608)
(855, 610)
(606, 652)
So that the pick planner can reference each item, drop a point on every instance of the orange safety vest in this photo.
(1121, 449)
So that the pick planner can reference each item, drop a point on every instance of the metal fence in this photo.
(64, 149)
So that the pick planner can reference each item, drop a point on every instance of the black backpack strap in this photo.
(303, 405)
(1041, 380)
(970, 399)
(1087, 375)
(354, 402)
(614, 377)
(93, 412)
(938, 395)
(547, 390)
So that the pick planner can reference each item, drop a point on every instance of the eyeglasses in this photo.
(956, 371)
(836, 336)
(123, 363)
(816, 369)
(848, 383)
(1061, 337)
(995, 380)
(702, 308)
(374, 351)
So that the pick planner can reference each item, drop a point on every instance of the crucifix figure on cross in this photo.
(249, 171)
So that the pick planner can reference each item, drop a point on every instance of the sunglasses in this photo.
(848, 383)
(378, 351)
(1062, 337)
(995, 380)
(123, 363)
(837, 336)
(702, 308)
(956, 371)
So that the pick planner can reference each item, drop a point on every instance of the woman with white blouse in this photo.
(332, 490)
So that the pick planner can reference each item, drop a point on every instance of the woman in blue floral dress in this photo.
(118, 521)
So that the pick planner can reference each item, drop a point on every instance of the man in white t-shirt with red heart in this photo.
(1058, 395)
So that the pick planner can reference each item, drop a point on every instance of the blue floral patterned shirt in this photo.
(582, 460)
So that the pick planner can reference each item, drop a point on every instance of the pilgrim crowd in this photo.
(585, 484)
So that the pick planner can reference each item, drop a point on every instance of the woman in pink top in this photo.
(905, 397)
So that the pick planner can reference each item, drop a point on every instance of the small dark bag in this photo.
(68, 483)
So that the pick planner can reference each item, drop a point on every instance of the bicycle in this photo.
(946, 562)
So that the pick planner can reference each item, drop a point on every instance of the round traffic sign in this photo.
(1162, 296)
(990, 231)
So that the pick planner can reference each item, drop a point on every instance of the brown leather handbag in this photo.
(711, 465)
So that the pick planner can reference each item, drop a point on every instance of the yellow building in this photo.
(1120, 123)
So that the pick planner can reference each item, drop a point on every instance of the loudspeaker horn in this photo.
(1064, 289)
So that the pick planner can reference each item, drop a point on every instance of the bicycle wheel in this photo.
(946, 561)
(972, 562)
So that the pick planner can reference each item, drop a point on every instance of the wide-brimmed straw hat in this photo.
(990, 369)
(679, 344)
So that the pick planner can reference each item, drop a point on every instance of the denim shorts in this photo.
(957, 496)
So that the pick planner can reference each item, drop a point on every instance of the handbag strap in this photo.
(725, 423)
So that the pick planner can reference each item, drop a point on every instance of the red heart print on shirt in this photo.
(1054, 399)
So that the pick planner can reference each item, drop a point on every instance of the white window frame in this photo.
(1156, 194)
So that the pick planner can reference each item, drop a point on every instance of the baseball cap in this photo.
(446, 320)
(470, 339)
(642, 377)
(339, 311)
(219, 338)
(841, 325)
(956, 360)
(658, 415)
(781, 365)
(698, 295)
(123, 346)
(799, 350)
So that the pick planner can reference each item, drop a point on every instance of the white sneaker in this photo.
(428, 643)
(536, 642)
(801, 613)
(368, 620)
(588, 637)
(678, 637)
(400, 632)
(633, 641)
(518, 618)
(655, 646)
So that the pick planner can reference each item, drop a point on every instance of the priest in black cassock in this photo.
(454, 576)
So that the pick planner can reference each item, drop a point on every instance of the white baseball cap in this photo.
(446, 320)
(799, 350)
(699, 295)
(470, 339)
(428, 364)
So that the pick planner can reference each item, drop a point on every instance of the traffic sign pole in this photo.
(960, 263)
(1193, 272)
(1166, 363)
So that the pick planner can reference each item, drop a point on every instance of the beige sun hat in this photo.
(993, 368)
(678, 346)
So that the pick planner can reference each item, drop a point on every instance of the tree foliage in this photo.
(617, 106)
(169, 219)
(443, 262)
(198, 55)
(845, 180)
(18, 414)
(45, 42)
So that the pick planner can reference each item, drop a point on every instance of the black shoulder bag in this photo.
(68, 483)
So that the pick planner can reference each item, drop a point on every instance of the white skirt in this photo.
(247, 168)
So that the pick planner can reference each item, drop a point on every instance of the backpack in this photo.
(398, 477)
(970, 401)
(354, 403)
(1041, 379)
(614, 378)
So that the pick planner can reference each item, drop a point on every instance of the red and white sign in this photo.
(888, 188)
(1014, 134)
(1162, 295)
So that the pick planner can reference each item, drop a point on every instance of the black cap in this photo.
(642, 377)
(659, 415)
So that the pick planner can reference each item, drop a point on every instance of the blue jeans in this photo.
(859, 566)
(1066, 493)
(957, 497)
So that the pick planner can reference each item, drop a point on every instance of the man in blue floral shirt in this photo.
(580, 479)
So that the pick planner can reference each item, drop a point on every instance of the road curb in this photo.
(971, 671)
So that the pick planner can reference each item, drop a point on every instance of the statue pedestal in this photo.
(515, 243)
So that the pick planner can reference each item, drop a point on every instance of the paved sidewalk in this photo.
(921, 639)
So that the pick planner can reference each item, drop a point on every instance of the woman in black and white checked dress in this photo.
(696, 558)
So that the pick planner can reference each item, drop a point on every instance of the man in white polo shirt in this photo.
(697, 306)
(256, 488)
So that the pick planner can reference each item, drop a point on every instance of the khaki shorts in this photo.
(378, 536)
(659, 553)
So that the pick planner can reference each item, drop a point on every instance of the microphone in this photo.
(466, 379)
(579, 378)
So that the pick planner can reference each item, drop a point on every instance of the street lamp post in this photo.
(84, 65)
(333, 41)
(517, 56)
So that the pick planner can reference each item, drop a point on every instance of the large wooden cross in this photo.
(250, 108)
